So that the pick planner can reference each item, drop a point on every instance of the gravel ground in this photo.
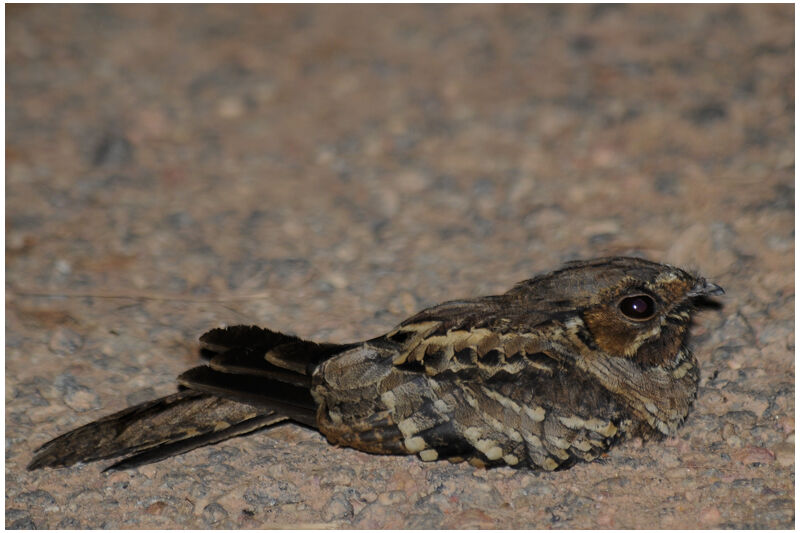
(329, 170)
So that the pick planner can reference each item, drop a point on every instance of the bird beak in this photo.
(705, 288)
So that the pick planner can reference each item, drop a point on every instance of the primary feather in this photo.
(554, 371)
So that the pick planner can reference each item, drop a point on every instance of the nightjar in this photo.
(554, 371)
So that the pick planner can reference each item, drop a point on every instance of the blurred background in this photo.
(328, 170)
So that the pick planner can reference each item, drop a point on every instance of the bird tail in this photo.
(255, 378)
(154, 430)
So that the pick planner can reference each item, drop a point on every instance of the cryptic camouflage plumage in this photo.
(552, 372)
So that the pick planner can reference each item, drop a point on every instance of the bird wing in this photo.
(495, 386)
(478, 337)
(255, 378)
(261, 367)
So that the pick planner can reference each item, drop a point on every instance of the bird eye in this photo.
(638, 307)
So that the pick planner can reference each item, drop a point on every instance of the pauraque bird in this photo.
(554, 371)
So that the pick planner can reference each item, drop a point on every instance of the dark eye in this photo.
(638, 307)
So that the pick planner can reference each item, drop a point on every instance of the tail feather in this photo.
(163, 451)
(256, 378)
(143, 427)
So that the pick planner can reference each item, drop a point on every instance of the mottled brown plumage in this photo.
(552, 372)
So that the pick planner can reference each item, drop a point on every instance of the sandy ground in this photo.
(327, 171)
